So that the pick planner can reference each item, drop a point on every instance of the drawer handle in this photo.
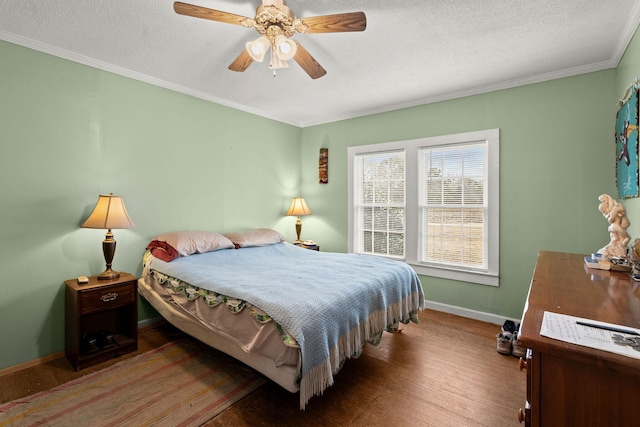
(109, 297)
(522, 364)
(522, 415)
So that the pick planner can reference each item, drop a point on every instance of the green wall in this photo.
(69, 133)
(556, 159)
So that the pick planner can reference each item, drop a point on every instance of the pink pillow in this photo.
(169, 246)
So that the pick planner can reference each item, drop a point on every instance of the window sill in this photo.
(488, 279)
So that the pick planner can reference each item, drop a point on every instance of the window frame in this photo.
(358, 190)
(491, 137)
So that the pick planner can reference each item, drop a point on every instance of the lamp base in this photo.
(108, 249)
(108, 274)
(298, 229)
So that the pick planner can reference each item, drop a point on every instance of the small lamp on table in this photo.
(109, 213)
(298, 208)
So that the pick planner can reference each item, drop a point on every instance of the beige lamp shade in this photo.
(109, 213)
(298, 208)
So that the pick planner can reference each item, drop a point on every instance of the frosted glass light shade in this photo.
(258, 48)
(285, 48)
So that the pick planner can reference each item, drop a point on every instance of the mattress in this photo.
(319, 308)
(264, 358)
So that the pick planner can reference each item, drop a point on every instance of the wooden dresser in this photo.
(571, 385)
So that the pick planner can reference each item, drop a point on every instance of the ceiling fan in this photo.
(276, 24)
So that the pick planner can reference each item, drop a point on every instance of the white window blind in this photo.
(453, 206)
(381, 203)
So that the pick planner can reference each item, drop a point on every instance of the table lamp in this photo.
(109, 213)
(298, 208)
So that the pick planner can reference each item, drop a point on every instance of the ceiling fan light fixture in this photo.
(277, 24)
(258, 48)
(276, 62)
(285, 48)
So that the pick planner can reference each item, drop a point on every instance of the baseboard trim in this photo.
(154, 321)
(31, 363)
(142, 324)
(150, 323)
(471, 314)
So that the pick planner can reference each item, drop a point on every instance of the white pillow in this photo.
(257, 237)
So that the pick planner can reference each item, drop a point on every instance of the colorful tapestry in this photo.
(627, 147)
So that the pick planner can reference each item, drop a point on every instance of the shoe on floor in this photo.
(516, 349)
(503, 342)
(509, 326)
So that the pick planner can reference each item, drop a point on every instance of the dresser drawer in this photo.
(106, 298)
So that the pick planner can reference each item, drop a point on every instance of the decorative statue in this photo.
(618, 223)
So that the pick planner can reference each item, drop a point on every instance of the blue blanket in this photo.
(331, 303)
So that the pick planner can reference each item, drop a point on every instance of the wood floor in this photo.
(443, 372)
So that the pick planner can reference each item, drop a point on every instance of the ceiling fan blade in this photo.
(342, 22)
(211, 14)
(242, 62)
(308, 63)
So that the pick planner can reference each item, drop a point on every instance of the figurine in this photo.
(616, 215)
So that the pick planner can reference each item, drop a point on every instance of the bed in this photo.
(293, 314)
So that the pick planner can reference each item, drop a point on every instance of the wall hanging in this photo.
(323, 166)
(627, 143)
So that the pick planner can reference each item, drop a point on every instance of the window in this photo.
(433, 202)
(381, 206)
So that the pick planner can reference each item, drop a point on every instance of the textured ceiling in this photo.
(413, 51)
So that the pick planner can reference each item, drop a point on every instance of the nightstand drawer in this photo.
(106, 298)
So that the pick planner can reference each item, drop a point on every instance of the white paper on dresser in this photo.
(567, 328)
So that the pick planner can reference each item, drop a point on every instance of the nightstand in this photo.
(312, 247)
(101, 319)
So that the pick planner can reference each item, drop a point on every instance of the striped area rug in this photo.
(182, 383)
